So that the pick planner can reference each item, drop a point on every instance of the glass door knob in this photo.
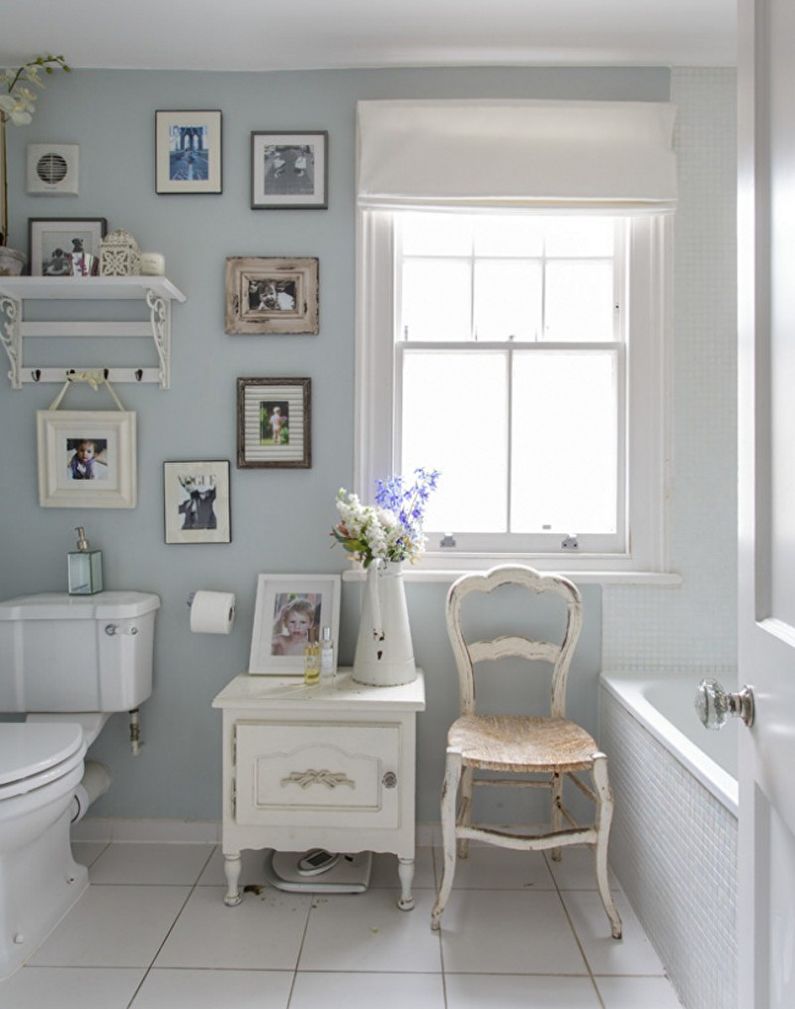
(715, 706)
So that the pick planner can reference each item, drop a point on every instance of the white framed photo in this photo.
(290, 613)
(196, 501)
(289, 170)
(87, 458)
(188, 151)
(56, 243)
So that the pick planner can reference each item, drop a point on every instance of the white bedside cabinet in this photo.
(329, 766)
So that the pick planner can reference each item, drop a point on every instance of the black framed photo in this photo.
(64, 246)
(196, 501)
(289, 171)
(274, 423)
(188, 151)
(271, 295)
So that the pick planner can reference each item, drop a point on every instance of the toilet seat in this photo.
(33, 754)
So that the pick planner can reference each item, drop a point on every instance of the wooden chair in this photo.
(552, 746)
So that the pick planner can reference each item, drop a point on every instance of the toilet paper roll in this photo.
(212, 612)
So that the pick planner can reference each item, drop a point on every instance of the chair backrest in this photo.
(506, 646)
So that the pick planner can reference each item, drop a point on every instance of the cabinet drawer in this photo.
(302, 773)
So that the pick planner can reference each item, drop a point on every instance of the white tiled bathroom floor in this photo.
(152, 932)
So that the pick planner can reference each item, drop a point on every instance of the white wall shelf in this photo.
(157, 293)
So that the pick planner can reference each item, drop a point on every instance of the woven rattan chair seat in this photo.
(521, 743)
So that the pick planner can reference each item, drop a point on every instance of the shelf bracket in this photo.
(160, 316)
(11, 337)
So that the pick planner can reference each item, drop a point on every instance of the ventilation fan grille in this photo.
(52, 168)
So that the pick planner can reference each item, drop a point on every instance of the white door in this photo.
(766, 905)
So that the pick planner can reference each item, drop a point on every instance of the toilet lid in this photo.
(29, 748)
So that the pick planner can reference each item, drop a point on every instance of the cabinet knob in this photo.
(389, 780)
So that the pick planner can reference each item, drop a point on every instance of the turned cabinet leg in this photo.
(232, 865)
(406, 873)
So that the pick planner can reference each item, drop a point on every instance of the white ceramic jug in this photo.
(384, 656)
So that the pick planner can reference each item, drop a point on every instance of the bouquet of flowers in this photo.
(390, 530)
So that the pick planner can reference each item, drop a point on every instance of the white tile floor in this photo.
(152, 932)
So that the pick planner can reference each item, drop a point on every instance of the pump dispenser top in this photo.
(84, 567)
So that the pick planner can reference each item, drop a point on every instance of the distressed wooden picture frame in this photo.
(271, 295)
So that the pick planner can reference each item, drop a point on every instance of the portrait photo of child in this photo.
(296, 620)
(86, 458)
(274, 422)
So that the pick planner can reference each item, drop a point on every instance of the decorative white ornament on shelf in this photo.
(119, 255)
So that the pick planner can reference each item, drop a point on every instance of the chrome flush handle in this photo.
(715, 706)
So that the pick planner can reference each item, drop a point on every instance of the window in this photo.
(511, 312)
(521, 354)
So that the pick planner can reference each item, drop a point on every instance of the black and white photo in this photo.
(289, 171)
(60, 247)
(269, 295)
(196, 501)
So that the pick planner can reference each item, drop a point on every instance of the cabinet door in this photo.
(312, 773)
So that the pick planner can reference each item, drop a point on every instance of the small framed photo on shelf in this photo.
(289, 171)
(274, 418)
(196, 500)
(87, 458)
(188, 151)
(266, 295)
(290, 613)
(55, 244)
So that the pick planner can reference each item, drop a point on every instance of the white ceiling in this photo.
(304, 34)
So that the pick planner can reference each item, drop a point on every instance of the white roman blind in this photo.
(516, 153)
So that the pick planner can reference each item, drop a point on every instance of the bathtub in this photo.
(674, 840)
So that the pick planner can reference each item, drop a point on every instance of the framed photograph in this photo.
(269, 295)
(290, 612)
(196, 500)
(274, 423)
(53, 241)
(87, 458)
(188, 151)
(289, 171)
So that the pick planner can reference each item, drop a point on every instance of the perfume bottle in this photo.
(84, 567)
(311, 663)
(326, 653)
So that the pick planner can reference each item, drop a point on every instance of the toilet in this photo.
(68, 663)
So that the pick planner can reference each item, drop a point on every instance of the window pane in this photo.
(436, 299)
(455, 420)
(565, 442)
(507, 299)
(509, 235)
(579, 300)
(436, 234)
(580, 236)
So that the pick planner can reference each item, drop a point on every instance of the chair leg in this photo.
(452, 777)
(557, 818)
(465, 811)
(604, 817)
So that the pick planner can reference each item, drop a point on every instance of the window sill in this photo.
(659, 579)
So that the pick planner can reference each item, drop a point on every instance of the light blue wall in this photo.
(280, 518)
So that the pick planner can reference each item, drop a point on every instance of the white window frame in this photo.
(647, 361)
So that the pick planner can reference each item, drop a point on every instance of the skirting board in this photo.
(166, 831)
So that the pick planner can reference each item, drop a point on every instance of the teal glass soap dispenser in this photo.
(85, 567)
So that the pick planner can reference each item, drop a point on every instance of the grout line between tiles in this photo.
(439, 933)
(300, 951)
(171, 927)
(574, 933)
